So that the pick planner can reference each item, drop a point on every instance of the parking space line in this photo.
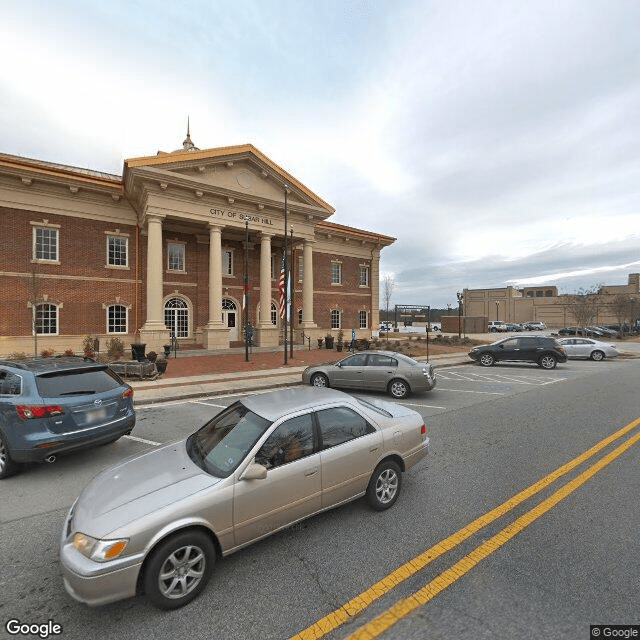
(151, 442)
(491, 393)
(428, 406)
(209, 404)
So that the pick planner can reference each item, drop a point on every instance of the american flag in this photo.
(281, 289)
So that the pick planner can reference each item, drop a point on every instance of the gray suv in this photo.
(57, 405)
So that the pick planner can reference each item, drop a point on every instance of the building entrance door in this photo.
(229, 318)
(176, 317)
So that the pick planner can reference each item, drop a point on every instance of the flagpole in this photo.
(286, 188)
(245, 298)
(291, 301)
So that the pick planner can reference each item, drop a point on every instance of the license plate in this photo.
(96, 414)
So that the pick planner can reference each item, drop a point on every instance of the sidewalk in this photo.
(208, 373)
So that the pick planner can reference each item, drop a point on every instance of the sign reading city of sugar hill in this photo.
(243, 217)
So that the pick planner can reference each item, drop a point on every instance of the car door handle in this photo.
(311, 472)
(373, 449)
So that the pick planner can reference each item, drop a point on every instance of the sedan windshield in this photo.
(221, 445)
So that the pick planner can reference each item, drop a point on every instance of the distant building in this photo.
(542, 304)
(160, 250)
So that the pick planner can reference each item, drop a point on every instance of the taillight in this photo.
(128, 393)
(423, 430)
(38, 411)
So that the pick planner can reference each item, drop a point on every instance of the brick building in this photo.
(544, 304)
(161, 250)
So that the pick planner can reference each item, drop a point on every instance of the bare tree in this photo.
(584, 305)
(388, 286)
(33, 301)
(625, 309)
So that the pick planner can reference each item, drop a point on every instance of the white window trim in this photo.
(184, 256)
(366, 268)
(225, 273)
(52, 304)
(366, 312)
(336, 284)
(125, 236)
(339, 312)
(44, 225)
(117, 304)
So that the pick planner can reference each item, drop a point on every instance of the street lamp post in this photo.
(460, 299)
(286, 272)
(497, 309)
(291, 301)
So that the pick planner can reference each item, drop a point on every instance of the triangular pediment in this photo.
(242, 169)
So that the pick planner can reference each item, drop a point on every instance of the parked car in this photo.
(512, 326)
(388, 371)
(588, 348)
(580, 331)
(386, 326)
(546, 352)
(158, 522)
(536, 326)
(496, 326)
(50, 406)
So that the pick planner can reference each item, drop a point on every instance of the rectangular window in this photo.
(117, 319)
(335, 319)
(45, 244)
(336, 273)
(175, 256)
(227, 262)
(300, 268)
(274, 267)
(117, 254)
(46, 317)
(362, 318)
(364, 276)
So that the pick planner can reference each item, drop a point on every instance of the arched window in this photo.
(117, 318)
(176, 317)
(46, 319)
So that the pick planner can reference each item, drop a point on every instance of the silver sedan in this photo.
(387, 371)
(588, 348)
(157, 523)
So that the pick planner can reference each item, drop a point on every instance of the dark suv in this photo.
(56, 405)
(546, 352)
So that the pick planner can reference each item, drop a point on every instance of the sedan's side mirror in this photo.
(254, 472)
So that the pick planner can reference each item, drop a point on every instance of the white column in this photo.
(375, 289)
(265, 281)
(155, 319)
(215, 276)
(307, 285)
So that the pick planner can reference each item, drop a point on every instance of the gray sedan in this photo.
(156, 523)
(388, 371)
(588, 348)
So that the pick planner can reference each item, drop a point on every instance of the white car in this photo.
(588, 348)
(497, 325)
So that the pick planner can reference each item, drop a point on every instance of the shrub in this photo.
(48, 352)
(19, 355)
(115, 347)
(69, 352)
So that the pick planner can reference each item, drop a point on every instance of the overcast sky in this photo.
(498, 141)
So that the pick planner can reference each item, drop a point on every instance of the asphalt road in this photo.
(546, 567)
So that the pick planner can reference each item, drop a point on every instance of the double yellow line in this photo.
(383, 622)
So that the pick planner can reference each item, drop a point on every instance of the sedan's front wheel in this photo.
(398, 389)
(597, 356)
(179, 569)
(548, 362)
(384, 486)
(487, 360)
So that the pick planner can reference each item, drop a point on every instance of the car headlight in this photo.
(98, 550)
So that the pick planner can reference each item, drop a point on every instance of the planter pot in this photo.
(137, 351)
(167, 350)
(329, 342)
(320, 341)
(161, 366)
